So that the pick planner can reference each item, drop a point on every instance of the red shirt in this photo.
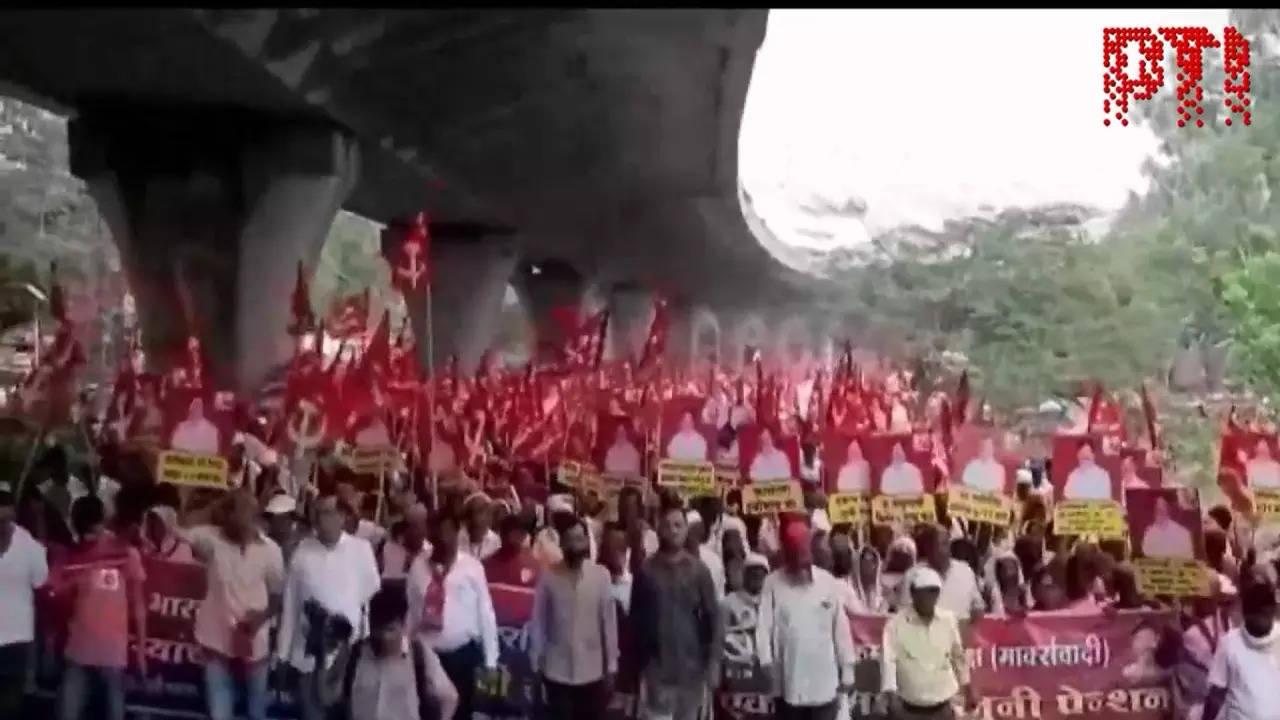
(512, 581)
(97, 575)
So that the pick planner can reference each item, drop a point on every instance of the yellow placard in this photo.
(192, 470)
(903, 509)
(976, 506)
(728, 477)
(852, 508)
(770, 498)
(688, 479)
(1266, 503)
(1172, 576)
(371, 460)
(568, 472)
(1102, 518)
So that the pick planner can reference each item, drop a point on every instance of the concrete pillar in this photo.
(211, 210)
(680, 334)
(630, 317)
(545, 286)
(468, 284)
(705, 337)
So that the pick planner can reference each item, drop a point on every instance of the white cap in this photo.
(922, 577)
(755, 559)
(560, 503)
(280, 505)
(733, 522)
(1023, 477)
(693, 516)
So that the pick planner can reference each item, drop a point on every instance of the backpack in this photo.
(426, 710)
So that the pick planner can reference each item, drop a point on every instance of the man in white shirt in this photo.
(23, 568)
(802, 633)
(695, 543)
(622, 457)
(901, 477)
(984, 473)
(450, 607)
(1166, 537)
(855, 474)
(195, 434)
(1262, 471)
(1088, 481)
(687, 444)
(333, 572)
(960, 593)
(770, 464)
(1242, 677)
(922, 659)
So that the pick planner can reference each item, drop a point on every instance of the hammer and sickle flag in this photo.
(406, 244)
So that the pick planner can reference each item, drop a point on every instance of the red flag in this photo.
(303, 319)
(407, 247)
(349, 318)
(655, 345)
(1149, 412)
(1095, 407)
(377, 355)
(962, 400)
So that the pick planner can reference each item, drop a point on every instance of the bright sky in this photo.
(929, 115)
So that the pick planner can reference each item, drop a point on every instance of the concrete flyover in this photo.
(219, 144)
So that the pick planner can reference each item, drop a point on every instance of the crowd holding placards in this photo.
(582, 538)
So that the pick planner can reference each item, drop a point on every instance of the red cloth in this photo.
(512, 581)
(433, 600)
(97, 575)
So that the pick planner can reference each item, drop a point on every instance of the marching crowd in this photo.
(386, 610)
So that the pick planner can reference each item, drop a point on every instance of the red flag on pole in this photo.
(655, 345)
(349, 318)
(302, 319)
(407, 246)
(1149, 412)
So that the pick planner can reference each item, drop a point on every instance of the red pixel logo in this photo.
(1189, 42)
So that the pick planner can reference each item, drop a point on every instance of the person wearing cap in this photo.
(282, 524)
(739, 612)
(922, 660)
(478, 539)
(676, 620)
(802, 636)
(546, 545)
(573, 631)
(694, 543)
(961, 593)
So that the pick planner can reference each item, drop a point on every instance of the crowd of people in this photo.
(389, 611)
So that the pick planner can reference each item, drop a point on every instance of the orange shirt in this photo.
(99, 574)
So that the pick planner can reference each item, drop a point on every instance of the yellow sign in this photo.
(371, 460)
(1102, 518)
(728, 477)
(903, 509)
(191, 470)
(976, 506)
(1172, 576)
(688, 479)
(770, 498)
(1266, 503)
(852, 508)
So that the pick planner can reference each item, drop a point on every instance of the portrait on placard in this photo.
(845, 458)
(981, 462)
(618, 446)
(1164, 523)
(767, 455)
(195, 419)
(147, 422)
(1258, 459)
(685, 437)
(897, 467)
(1081, 471)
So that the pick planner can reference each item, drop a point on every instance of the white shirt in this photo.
(468, 609)
(488, 545)
(195, 436)
(1263, 473)
(715, 566)
(1250, 676)
(854, 477)
(1167, 539)
(340, 579)
(984, 476)
(688, 445)
(802, 632)
(622, 458)
(960, 592)
(901, 479)
(770, 464)
(369, 531)
(23, 568)
(1087, 482)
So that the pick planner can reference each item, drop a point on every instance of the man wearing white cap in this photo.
(694, 543)
(739, 612)
(560, 514)
(802, 637)
(922, 661)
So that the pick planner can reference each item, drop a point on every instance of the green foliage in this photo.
(1251, 295)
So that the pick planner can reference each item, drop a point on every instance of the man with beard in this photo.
(573, 635)
(1242, 676)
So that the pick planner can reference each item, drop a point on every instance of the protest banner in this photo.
(1266, 504)
(1165, 528)
(976, 506)
(1042, 666)
(1102, 518)
(772, 498)
(688, 479)
(192, 470)
(371, 460)
(852, 508)
(903, 509)
(1172, 576)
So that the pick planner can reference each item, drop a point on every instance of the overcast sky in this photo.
(928, 115)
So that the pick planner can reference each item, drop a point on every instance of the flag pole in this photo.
(431, 405)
